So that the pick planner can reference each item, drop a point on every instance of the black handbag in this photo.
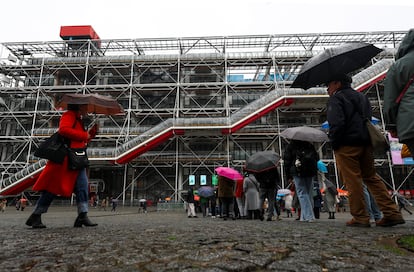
(78, 158)
(53, 148)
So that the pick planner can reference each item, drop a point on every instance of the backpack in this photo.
(306, 162)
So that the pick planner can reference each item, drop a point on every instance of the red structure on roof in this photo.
(81, 32)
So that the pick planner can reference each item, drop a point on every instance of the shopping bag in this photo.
(53, 148)
(378, 140)
(405, 152)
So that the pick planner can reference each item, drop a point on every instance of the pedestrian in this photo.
(347, 112)
(330, 196)
(204, 203)
(226, 195)
(373, 210)
(300, 162)
(23, 203)
(251, 192)
(190, 203)
(295, 199)
(114, 203)
(103, 204)
(58, 179)
(268, 181)
(288, 200)
(3, 205)
(240, 198)
(212, 204)
(399, 93)
(317, 199)
(402, 202)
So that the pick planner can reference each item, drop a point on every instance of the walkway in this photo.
(126, 240)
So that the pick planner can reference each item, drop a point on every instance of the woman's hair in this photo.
(74, 107)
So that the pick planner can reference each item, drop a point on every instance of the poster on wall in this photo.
(214, 180)
(395, 148)
(191, 180)
(203, 180)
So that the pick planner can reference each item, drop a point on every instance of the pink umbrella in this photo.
(228, 172)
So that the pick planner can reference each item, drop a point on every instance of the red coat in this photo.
(238, 193)
(57, 178)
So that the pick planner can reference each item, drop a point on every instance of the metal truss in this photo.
(195, 86)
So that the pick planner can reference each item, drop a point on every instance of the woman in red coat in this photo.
(58, 179)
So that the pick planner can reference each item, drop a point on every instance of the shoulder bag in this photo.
(77, 158)
(53, 148)
(379, 141)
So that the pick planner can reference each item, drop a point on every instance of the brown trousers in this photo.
(356, 166)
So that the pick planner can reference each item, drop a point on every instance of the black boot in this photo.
(83, 220)
(333, 215)
(35, 221)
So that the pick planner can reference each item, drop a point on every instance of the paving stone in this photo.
(126, 240)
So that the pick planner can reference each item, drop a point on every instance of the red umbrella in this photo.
(97, 103)
(228, 172)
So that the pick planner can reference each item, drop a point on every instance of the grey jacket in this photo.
(399, 116)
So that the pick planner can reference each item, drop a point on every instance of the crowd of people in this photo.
(347, 113)
(256, 197)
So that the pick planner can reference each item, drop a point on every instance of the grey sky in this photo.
(29, 20)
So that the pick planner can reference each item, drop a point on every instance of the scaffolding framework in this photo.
(191, 104)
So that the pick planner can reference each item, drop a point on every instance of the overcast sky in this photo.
(40, 20)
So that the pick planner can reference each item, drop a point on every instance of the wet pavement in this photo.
(127, 240)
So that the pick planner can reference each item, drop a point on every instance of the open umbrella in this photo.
(262, 161)
(283, 192)
(304, 133)
(228, 172)
(334, 61)
(205, 191)
(97, 103)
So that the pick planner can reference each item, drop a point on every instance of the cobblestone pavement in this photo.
(126, 240)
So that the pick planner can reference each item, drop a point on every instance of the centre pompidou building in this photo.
(190, 105)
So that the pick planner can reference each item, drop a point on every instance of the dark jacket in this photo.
(225, 187)
(268, 179)
(190, 196)
(399, 116)
(345, 112)
(290, 154)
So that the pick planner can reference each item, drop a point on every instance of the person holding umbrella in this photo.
(226, 196)
(58, 179)
(300, 163)
(346, 113)
(399, 93)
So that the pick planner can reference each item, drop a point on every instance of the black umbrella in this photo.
(304, 133)
(334, 61)
(262, 161)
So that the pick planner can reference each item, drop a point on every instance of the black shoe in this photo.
(35, 221)
(83, 220)
(389, 222)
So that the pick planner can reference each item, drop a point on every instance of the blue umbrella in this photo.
(322, 167)
(205, 191)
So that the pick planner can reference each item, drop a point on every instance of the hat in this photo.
(344, 78)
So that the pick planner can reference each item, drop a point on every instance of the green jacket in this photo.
(399, 117)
